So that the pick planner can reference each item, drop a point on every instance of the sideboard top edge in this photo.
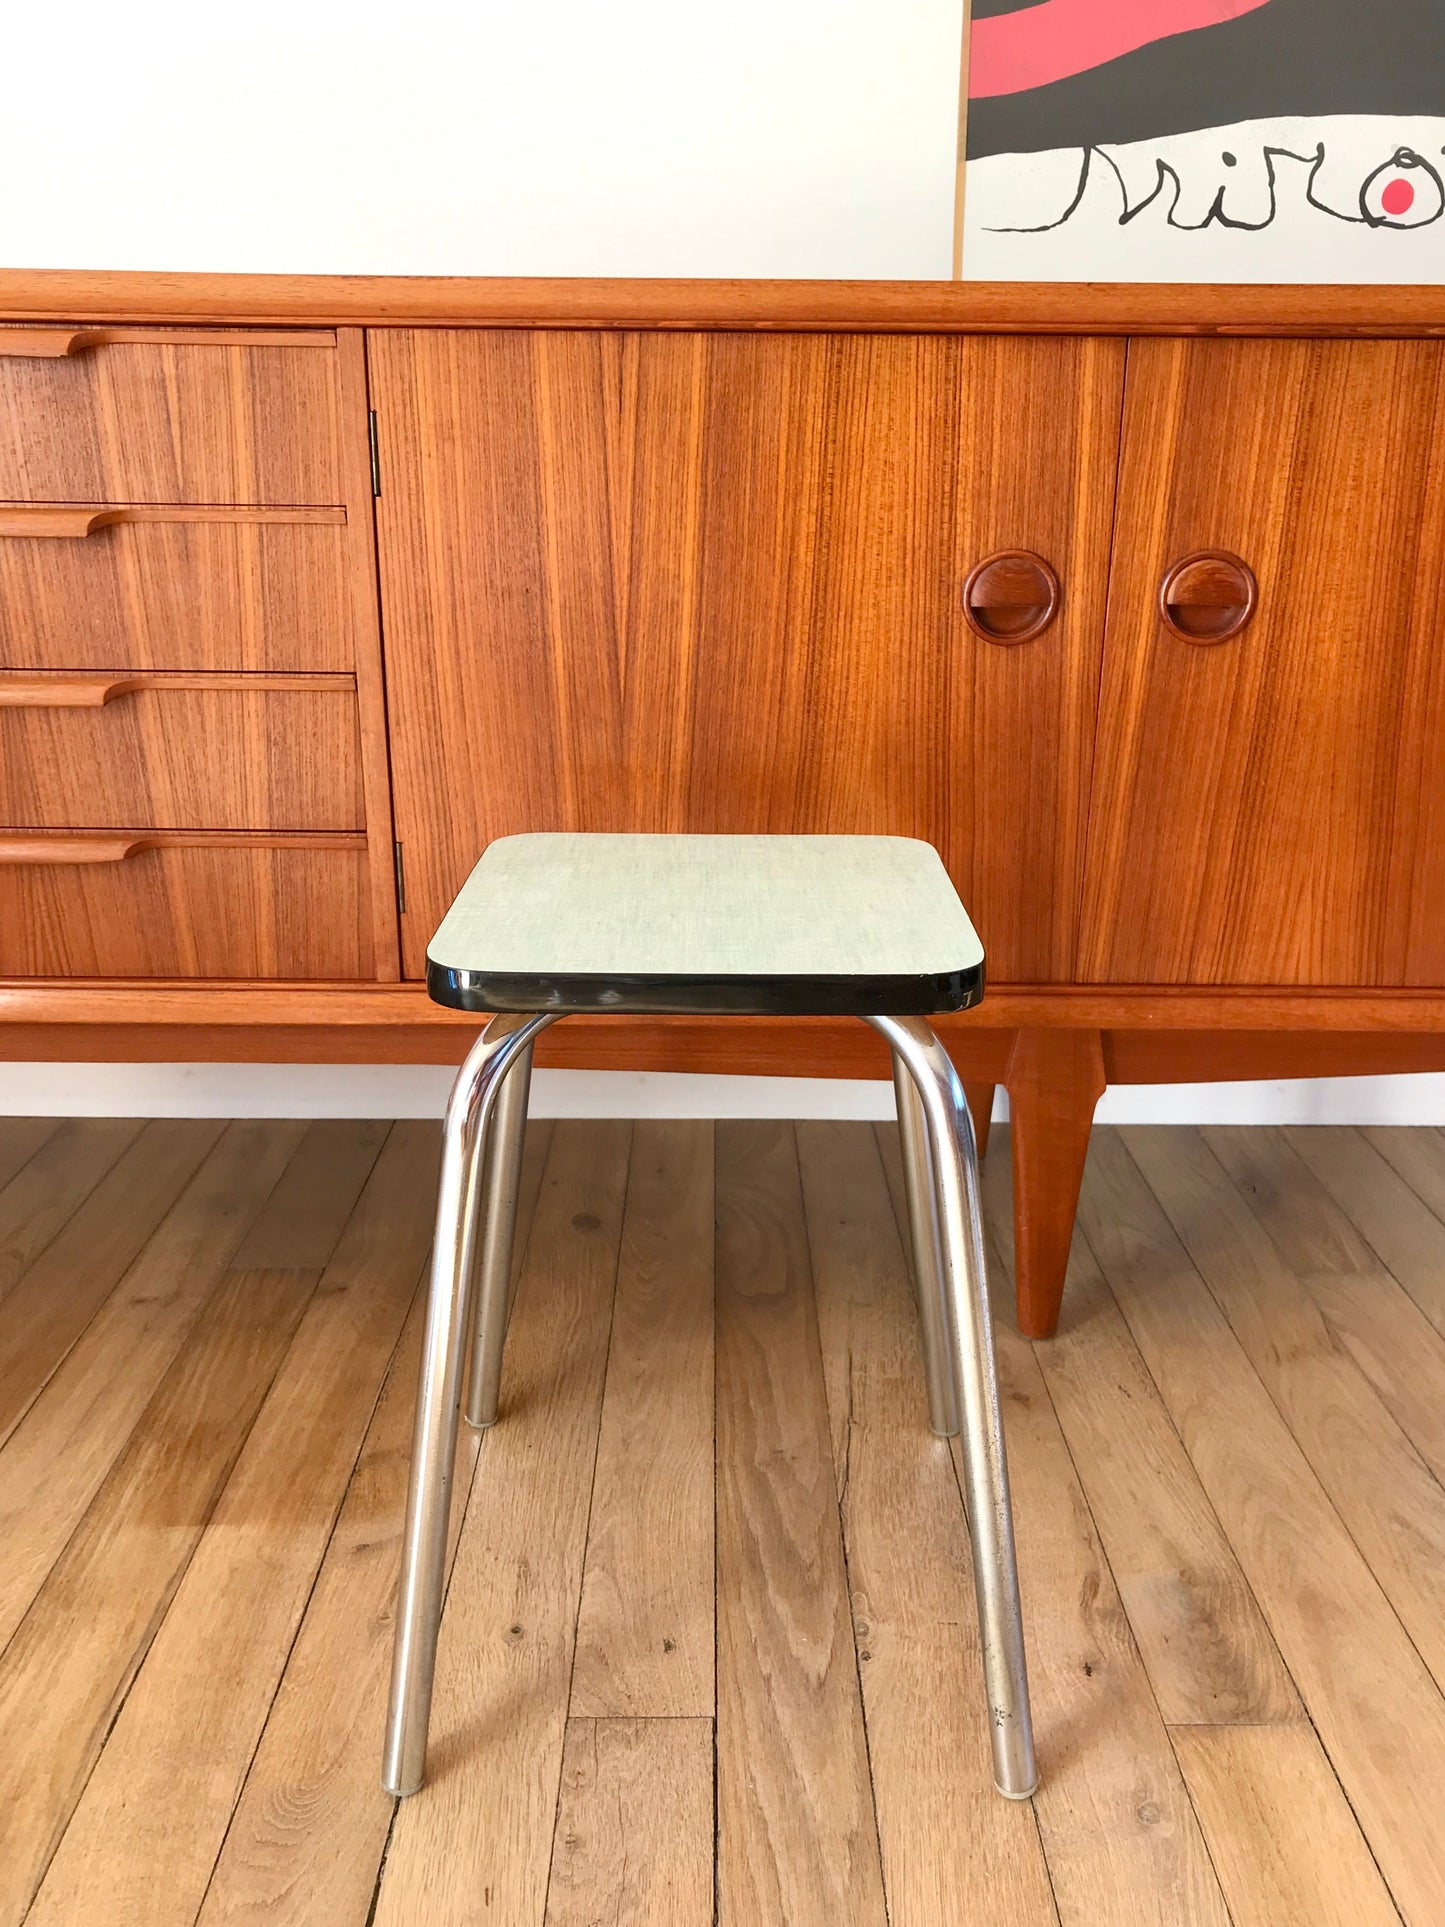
(984, 307)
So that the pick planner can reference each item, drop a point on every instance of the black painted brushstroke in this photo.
(1297, 57)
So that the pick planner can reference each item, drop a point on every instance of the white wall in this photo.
(636, 137)
(354, 1090)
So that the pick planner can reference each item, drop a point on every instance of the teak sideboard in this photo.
(1131, 600)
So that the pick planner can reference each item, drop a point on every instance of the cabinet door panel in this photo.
(1271, 810)
(711, 582)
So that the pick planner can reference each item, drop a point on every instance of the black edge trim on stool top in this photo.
(493, 993)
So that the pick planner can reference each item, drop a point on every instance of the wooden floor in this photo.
(710, 1636)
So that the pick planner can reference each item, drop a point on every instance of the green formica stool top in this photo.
(748, 925)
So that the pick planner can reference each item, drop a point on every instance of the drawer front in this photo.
(139, 415)
(157, 589)
(138, 907)
(181, 752)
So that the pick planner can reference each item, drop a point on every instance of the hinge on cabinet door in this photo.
(375, 452)
(400, 879)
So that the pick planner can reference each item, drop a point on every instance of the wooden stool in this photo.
(755, 925)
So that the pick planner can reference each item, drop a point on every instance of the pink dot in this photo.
(1398, 197)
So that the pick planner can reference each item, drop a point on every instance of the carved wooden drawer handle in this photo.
(1011, 597)
(1208, 596)
(64, 692)
(55, 847)
(31, 519)
(48, 344)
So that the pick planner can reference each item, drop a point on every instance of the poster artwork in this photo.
(1212, 140)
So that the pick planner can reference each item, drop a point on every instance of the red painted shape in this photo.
(1398, 197)
(1012, 52)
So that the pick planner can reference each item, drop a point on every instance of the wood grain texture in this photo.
(711, 583)
(166, 753)
(645, 1629)
(151, 420)
(191, 910)
(52, 1183)
(54, 1461)
(1119, 1834)
(119, 1571)
(1404, 1026)
(1285, 1844)
(20, 1139)
(797, 1836)
(634, 1825)
(1390, 1182)
(1209, 1654)
(68, 294)
(1386, 1496)
(55, 1298)
(365, 624)
(308, 1834)
(1370, 1314)
(480, 1831)
(634, 1819)
(245, 1587)
(1354, 1664)
(1264, 811)
(1054, 1078)
(1419, 1158)
(952, 1850)
(179, 594)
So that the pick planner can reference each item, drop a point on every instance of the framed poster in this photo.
(1205, 140)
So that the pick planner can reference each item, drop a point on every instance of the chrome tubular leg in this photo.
(501, 1181)
(965, 1292)
(428, 1504)
(918, 1185)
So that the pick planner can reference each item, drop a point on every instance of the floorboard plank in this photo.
(1418, 1155)
(478, 1836)
(53, 1463)
(20, 1139)
(797, 1836)
(1119, 1833)
(60, 1692)
(52, 1184)
(311, 1207)
(645, 1635)
(1384, 1207)
(308, 1833)
(1366, 1688)
(952, 1849)
(1285, 1843)
(634, 1825)
(1389, 1500)
(129, 1855)
(58, 1295)
(1371, 1315)
(1208, 1652)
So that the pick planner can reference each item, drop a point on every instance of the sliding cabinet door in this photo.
(713, 582)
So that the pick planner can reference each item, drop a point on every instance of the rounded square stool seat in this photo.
(750, 925)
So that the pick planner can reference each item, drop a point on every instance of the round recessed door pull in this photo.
(1011, 597)
(1208, 596)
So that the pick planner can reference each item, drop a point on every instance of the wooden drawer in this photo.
(179, 752)
(170, 588)
(138, 905)
(151, 415)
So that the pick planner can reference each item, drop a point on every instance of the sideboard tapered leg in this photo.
(1054, 1080)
